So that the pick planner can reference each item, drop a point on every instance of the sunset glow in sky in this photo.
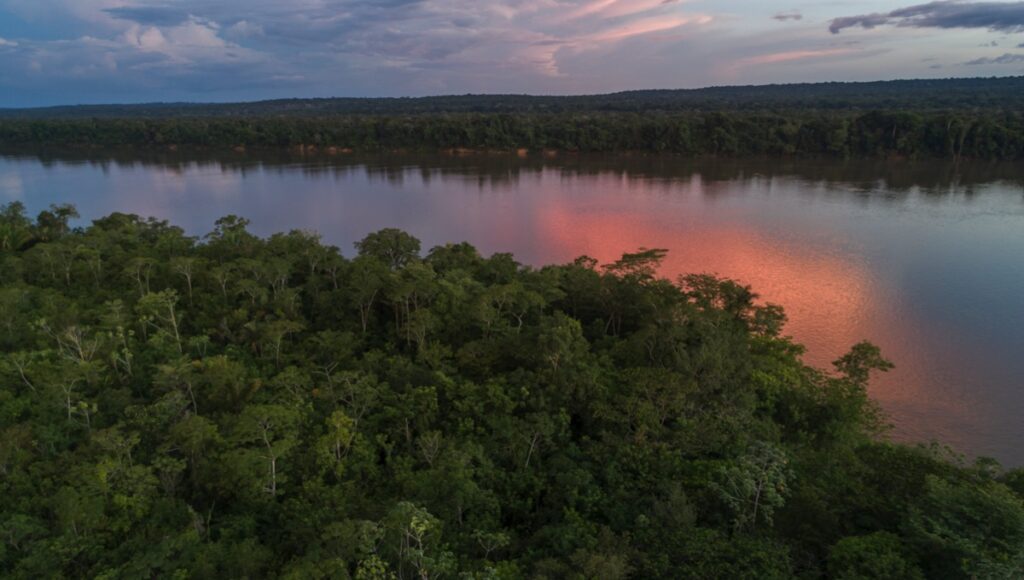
(94, 51)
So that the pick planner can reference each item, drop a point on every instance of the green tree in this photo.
(394, 248)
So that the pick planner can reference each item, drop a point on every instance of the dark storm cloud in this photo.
(1007, 58)
(1004, 16)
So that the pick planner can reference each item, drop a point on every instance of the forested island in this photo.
(231, 405)
(945, 119)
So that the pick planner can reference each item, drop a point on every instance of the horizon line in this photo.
(527, 95)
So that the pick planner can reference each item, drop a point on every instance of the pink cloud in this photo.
(616, 8)
(645, 26)
(789, 56)
(589, 9)
(629, 8)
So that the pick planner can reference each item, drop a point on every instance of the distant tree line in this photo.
(990, 135)
(922, 94)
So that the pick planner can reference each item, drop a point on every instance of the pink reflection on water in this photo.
(829, 294)
(799, 244)
(824, 295)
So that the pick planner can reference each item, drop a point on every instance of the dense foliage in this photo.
(246, 407)
(923, 94)
(946, 118)
(954, 135)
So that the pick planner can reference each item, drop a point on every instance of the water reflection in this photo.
(923, 259)
(491, 170)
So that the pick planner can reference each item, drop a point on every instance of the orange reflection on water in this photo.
(827, 292)
(803, 244)
(824, 295)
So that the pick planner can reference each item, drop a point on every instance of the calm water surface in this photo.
(925, 260)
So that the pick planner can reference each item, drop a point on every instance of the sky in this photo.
(124, 51)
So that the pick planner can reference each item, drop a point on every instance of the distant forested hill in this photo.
(977, 93)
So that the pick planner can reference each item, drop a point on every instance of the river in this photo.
(926, 260)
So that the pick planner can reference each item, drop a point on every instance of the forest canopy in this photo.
(954, 135)
(237, 406)
(945, 119)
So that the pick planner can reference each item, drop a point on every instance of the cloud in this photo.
(1007, 58)
(164, 48)
(525, 37)
(615, 8)
(784, 16)
(151, 15)
(793, 55)
(637, 28)
(1002, 16)
(414, 34)
(244, 29)
(126, 57)
(131, 50)
(194, 42)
